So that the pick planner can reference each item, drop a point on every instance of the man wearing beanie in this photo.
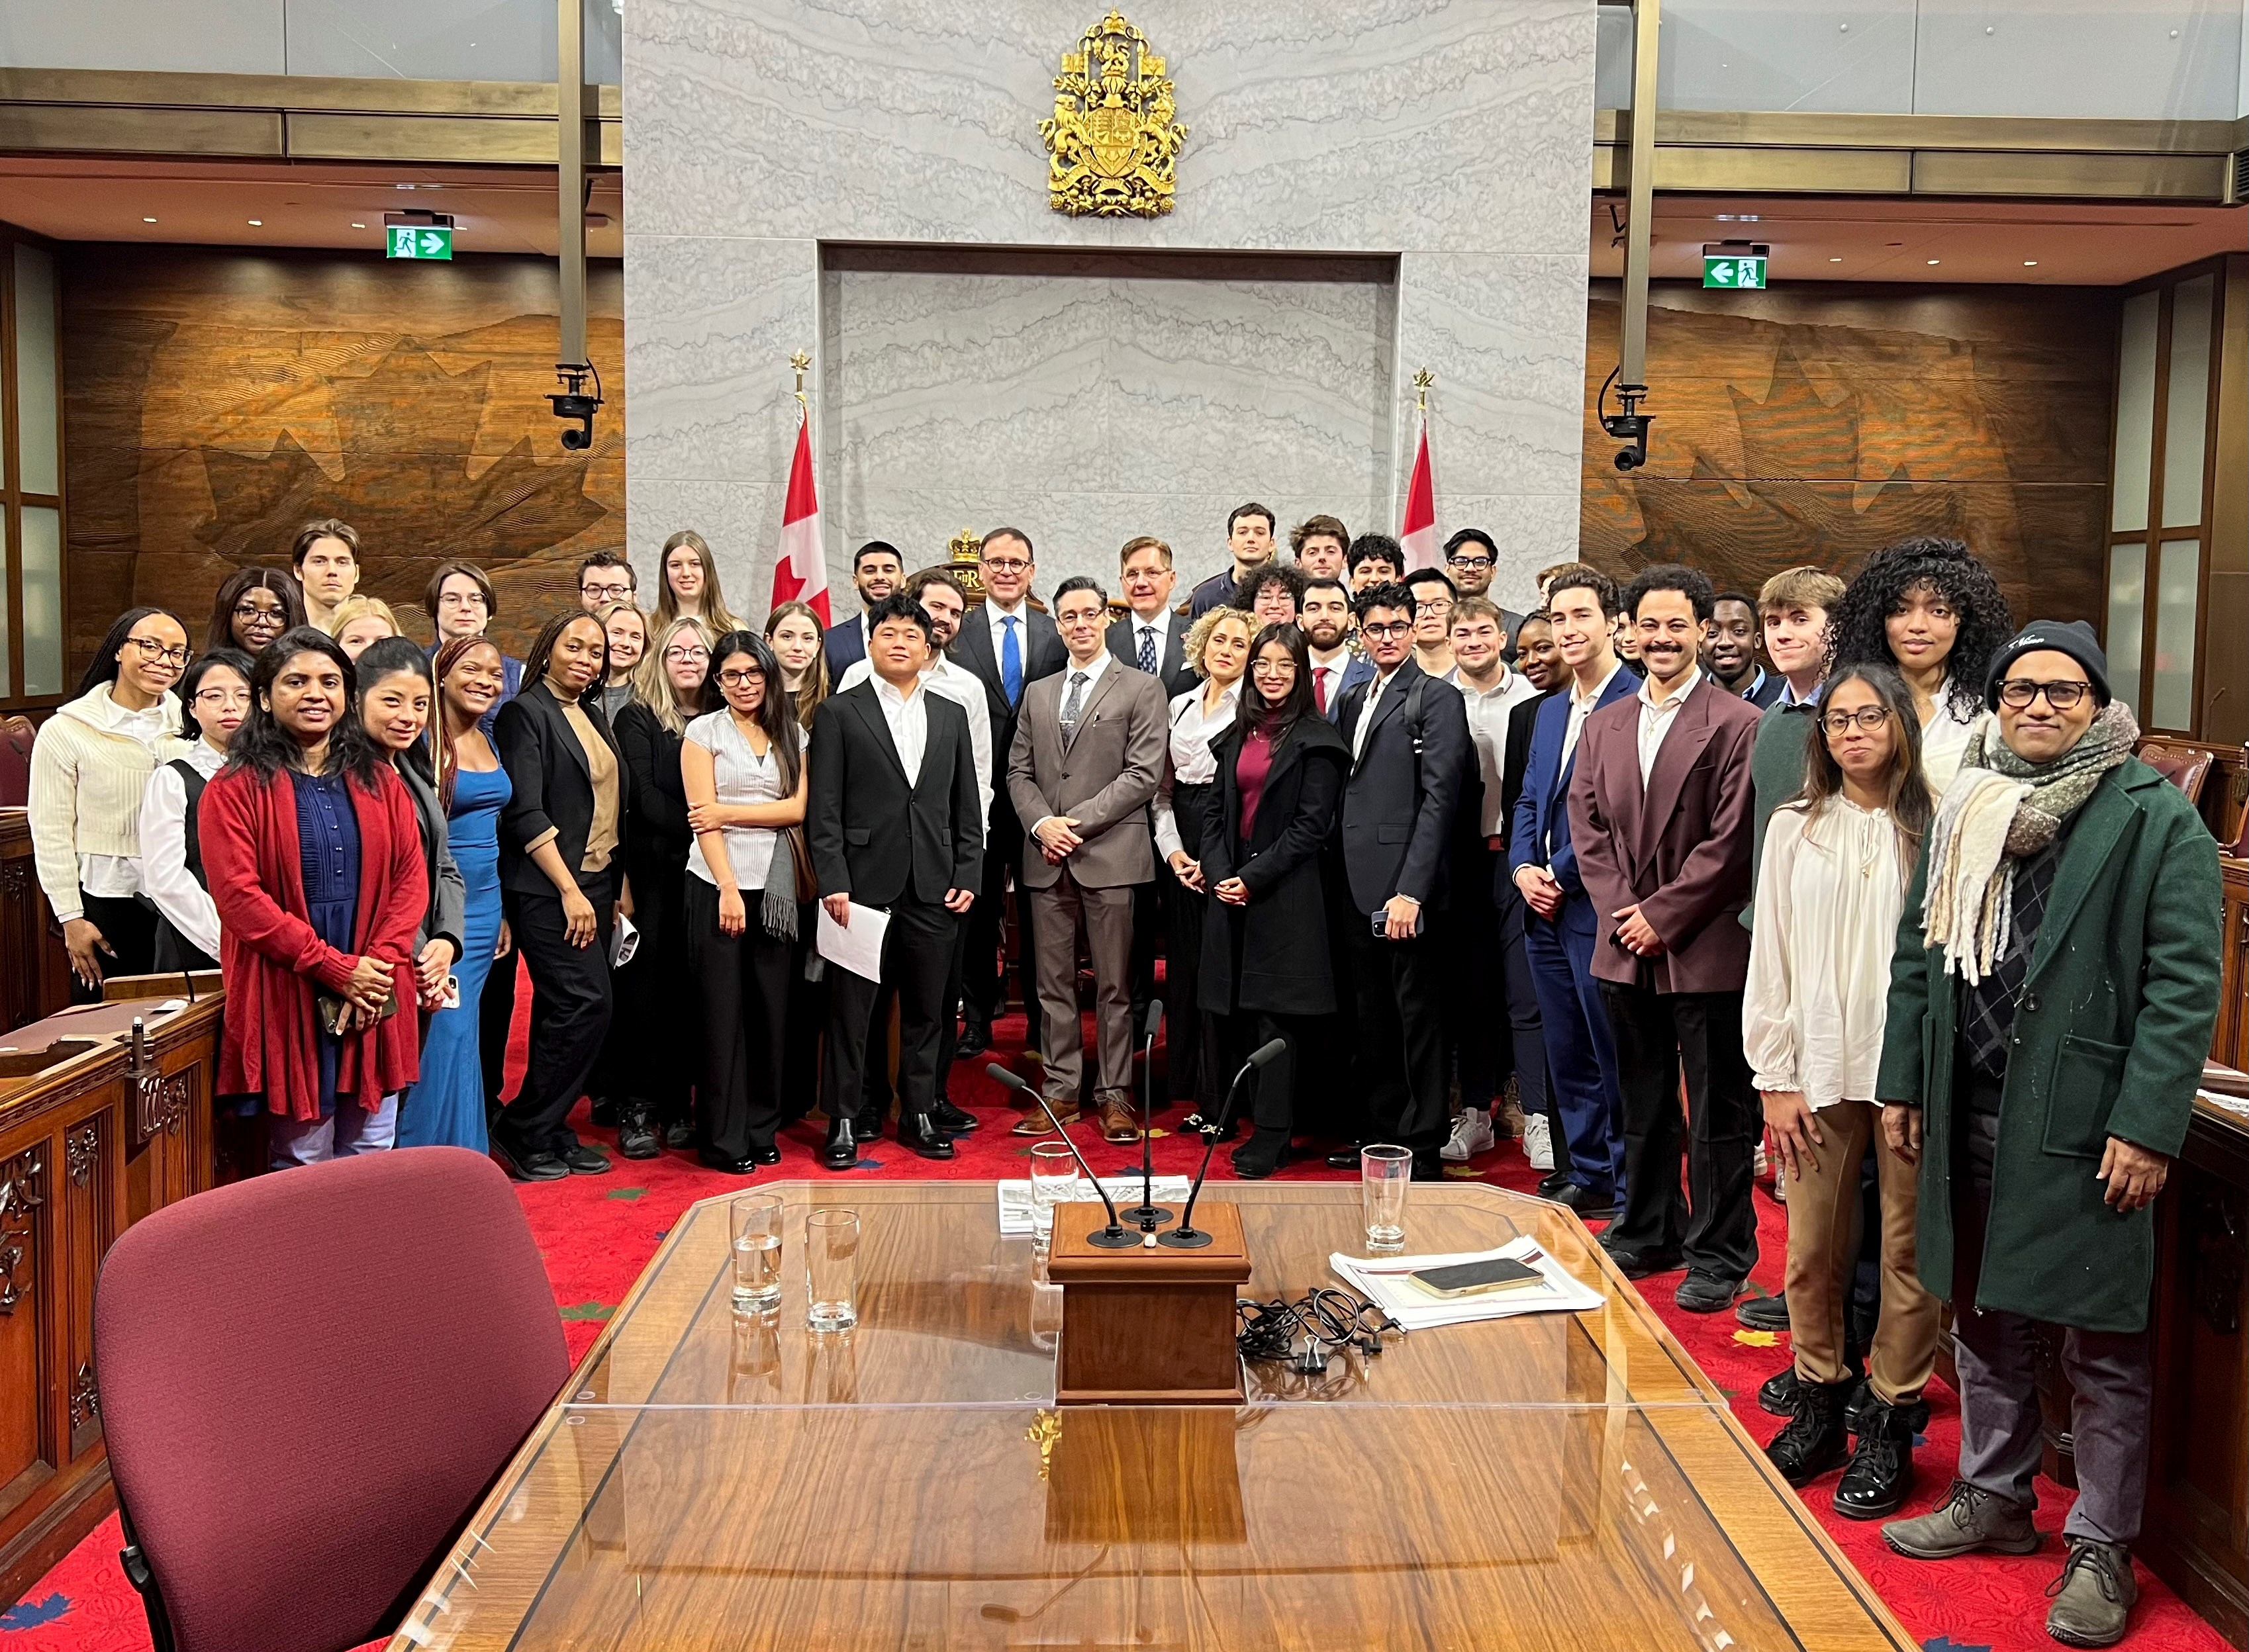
(2051, 998)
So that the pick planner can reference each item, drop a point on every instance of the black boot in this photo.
(1882, 1467)
(918, 1132)
(1778, 1396)
(1265, 1152)
(842, 1151)
(636, 1132)
(1813, 1440)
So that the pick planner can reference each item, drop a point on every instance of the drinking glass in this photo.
(1054, 1181)
(831, 1265)
(1384, 1173)
(754, 1221)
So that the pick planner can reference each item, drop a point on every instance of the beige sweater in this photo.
(90, 765)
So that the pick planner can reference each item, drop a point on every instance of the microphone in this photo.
(1184, 1237)
(1115, 1237)
(1148, 1213)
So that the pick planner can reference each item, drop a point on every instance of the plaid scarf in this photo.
(1999, 810)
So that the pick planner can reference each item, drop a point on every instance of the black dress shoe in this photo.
(1429, 1169)
(1641, 1264)
(605, 1113)
(1881, 1470)
(1813, 1440)
(636, 1135)
(1550, 1184)
(1265, 1152)
(918, 1132)
(711, 1158)
(1345, 1157)
(842, 1149)
(867, 1125)
(954, 1120)
(1589, 1205)
(581, 1160)
(976, 1038)
(765, 1155)
(1778, 1396)
(680, 1134)
(1762, 1313)
(528, 1167)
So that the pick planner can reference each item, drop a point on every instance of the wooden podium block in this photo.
(1148, 1325)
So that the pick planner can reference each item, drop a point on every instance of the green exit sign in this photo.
(421, 240)
(1738, 270)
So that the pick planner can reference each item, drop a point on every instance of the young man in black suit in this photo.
(893, 822)
(1410, 751)
(1009, 645)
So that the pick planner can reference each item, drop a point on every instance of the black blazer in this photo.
(1043, 655)
(445, 916)
(1284, 958)
(873, 837)
(1516, 760)
(845, 645)
(554, 787)
(657, 857)
(1173, 669)
(1397, 805)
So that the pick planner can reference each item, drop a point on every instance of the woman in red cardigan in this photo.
(314, 857)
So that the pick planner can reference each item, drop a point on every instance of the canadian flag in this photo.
(800, 570)
(1419, 536)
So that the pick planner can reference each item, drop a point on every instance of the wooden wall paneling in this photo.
(30, 1447)
(34, 968)
(1819, 422)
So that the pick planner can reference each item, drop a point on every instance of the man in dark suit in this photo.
(1560, 926)
(1542, 1127)
(1729, 652)
(1471, 560)
(1324, 611)
(892, 821)
(878, 571)
(1410, 754)
(1150, 637)
(1009, 645)
(1250, 542)
(1659, 813)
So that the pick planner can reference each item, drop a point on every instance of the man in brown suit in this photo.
(1088, 749)
(1659, 815)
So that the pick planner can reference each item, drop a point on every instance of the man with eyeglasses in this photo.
(2051, 999)
(1151, 637)
(1409, 746)
(1471, 561)
(604, 577)
(462, 603)
(1433, 620)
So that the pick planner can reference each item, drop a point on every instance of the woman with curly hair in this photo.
(1931, 608)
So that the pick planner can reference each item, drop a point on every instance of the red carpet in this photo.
(598, 1233)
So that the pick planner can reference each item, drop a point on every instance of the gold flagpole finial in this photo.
(801, 363)
(1422, 380)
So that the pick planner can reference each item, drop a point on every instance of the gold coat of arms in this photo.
(1112, 145)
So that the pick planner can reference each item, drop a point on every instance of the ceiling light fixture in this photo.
(2030, 263)
(258, 223)
(1933, 262)
(148, 221)
(359, 226)
(1834, 261)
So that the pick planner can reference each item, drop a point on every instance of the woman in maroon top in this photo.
(1265, 957)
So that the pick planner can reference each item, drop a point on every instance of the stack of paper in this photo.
(1382, 1280)
(1015, 1198)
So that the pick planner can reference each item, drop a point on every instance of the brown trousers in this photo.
(1823, 1220)
(1107, 914)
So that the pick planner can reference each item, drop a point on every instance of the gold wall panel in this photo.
(95, 128)
(2131, 177)
(478, 141)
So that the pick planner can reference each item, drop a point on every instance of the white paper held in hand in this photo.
(857, 947)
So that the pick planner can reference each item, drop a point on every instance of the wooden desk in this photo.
(34, 969)
(712, 1480)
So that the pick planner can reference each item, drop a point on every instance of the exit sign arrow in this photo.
(420, 241)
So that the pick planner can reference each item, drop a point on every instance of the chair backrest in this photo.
(2186, 767)
(308, 1380)
(16, 736)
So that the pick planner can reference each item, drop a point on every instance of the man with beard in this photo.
(877, 572)
(1471, 560)
(1324, 614)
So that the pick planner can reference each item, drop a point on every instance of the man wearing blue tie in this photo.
(1008, 644)
(1560, 928)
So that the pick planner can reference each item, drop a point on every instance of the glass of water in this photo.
(754, 1221)
(831, 1266)
(1054, 1181)
(1384, 1174)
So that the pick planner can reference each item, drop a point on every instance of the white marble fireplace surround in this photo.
(1398, 184)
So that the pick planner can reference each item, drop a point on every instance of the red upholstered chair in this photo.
(308, 1381)
(2184, 766)
(16, 736)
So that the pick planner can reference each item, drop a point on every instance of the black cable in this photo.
(1329, 1318)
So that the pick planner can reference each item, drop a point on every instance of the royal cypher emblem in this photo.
(1112, 145)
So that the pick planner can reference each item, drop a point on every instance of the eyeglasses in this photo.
(1868, 717)
(218, 696)
(1393, 628)
(1274, 668)
(453, 600)
(154, 650)
(252, 608)
(2016, 693)
(688, 656)
(1473, 565)
(1010, 564)
(742, 679)
(607, 592)
(1434, 605)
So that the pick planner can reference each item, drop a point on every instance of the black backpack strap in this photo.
(192, 779)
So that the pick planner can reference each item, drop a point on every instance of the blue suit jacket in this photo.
(846, 646)
(1539, 835)
(1358, 669)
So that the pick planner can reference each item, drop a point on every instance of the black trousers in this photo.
(496, 1019)
(1478, 1033)
(807, 1026)
(917, 955)
(1713, 1227)
(948, 1014)
(653, 991)
(1399, 987)
(129, 927)
(742, 983)
(1191, 1054)
(571, 1003)
(984, 988)
(1273, 1099)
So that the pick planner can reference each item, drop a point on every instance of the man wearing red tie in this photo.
(1325, 614)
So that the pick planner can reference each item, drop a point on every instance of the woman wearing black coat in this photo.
(1280, 771)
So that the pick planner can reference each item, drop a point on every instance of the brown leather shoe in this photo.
(1034, 1121)
(1117, 1122)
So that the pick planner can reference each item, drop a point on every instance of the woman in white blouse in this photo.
(1218, 647)
(1831, 887)
(742, 765)
(214, 699)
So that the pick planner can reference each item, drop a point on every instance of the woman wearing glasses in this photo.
(253, 606)
(1831, 890)
(216, 695)
(89, 767)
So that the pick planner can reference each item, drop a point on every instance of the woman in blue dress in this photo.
(447, 1107)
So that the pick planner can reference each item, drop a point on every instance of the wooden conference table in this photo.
(712, 1480)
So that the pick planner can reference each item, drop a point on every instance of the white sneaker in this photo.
(1471, 1136)
(1537, 1141)
(1759, 1165)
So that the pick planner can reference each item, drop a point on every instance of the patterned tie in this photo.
(1148, 649)
(1011, 661)
(1320, 688)
(1072, 703)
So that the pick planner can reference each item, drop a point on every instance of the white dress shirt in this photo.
(962, 687)
(1160, 622)
(1091, 671)
(908, 716)
(1581, 707)
(163, 874)
(1327, 676)
(1374, 692)
(1943, 740)
(1657, 716)
(1487, 711)
(1191, 762)
(1830, 892)
(996, 617)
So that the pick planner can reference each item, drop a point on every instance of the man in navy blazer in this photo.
(1561, 928)
(1325, 616)
(878, 571)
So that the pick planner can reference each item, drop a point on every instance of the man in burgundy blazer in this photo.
(1659, 813)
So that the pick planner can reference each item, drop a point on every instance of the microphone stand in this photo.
(1148, 1214)
(1116, 1236)
(1186, 1237)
